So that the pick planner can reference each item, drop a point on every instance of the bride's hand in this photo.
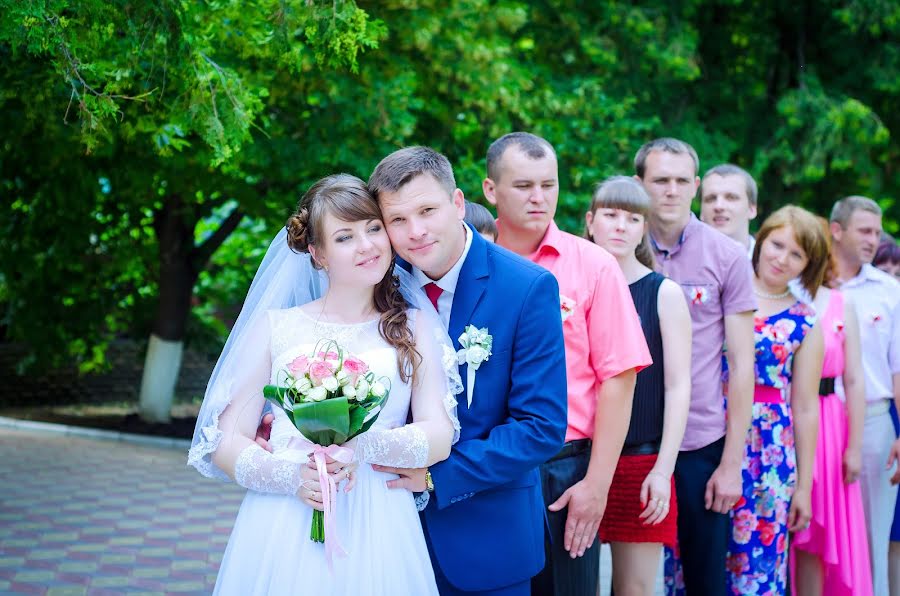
(338, 471)
(310, 491)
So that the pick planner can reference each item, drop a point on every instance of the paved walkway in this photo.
(86, 516)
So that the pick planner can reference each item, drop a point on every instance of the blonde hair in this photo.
(625, 193)
(808, 233)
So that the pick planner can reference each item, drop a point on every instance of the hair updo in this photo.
(348, 198)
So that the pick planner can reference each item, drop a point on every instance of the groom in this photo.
(484, 524)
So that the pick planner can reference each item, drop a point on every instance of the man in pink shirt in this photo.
(605, 348)
(715, 274)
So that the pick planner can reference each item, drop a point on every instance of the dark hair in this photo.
(627, 194)
(402, 166)
(481, 219)
(531, 145)
(809, 235)
(347, 198)
(667, 144)
(888, 252)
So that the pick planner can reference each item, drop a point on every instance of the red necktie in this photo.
(433, 291)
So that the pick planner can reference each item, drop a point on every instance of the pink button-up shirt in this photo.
(601, 328)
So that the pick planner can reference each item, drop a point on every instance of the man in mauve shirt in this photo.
(715, 274)
(605, 348)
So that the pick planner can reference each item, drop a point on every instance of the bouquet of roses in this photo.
(330, 396)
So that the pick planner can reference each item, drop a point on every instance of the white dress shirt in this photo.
(448, 282)
(876, 296)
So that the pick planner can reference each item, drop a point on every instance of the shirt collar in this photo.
(450, 279)
(551, 242)
(692, 224)
(866, 273)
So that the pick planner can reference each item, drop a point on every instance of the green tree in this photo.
(163, 100)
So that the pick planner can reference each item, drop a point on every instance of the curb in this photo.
(93, 433)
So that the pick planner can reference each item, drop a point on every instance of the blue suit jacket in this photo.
(486, 517)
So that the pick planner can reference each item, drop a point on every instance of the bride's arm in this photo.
(427, 439)
(237, 454)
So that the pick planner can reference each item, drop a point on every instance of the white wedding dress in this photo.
(270, 552)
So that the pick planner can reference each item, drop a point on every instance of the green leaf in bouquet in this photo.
(323, 422)
(359, 411)
(274, 394)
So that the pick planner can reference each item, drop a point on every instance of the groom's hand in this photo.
(586, 506)
(264, 431)
(412, 479)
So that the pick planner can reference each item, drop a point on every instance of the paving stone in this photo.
(153, 572)
(67, 591)
(78, 567)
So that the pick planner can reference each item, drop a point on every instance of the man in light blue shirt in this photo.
(856, 230)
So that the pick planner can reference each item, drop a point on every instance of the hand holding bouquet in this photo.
(330, 396)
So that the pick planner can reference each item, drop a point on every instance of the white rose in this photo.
(476, 355)
(304, 385)
(349, 392)
(362, 388)
(342, 377)
(330, 383)
(318, 393)
(378, 390)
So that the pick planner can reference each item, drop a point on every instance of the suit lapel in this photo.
(470, 286)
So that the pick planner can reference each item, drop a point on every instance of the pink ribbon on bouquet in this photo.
(345, 456)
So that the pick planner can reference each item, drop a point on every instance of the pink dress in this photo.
(837, 532)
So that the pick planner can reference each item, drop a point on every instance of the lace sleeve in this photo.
(435, 427)
(404, 447)
(258, 470)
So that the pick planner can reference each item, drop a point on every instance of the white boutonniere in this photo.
(476, 348)
(566, 307)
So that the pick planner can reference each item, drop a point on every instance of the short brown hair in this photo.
(480, 218)
(402, 166)
(843, 209)
(729, 169)
(531, 145)
(667, 144)
(810, 236)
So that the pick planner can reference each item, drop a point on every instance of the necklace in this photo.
(784, 294)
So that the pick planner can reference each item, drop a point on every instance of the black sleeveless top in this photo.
(649, 391)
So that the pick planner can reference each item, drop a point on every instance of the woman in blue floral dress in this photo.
(780, 453)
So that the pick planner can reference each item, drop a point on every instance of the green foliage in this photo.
(230, 105)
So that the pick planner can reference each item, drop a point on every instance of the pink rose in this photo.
(354, 366)
(319, 369)
(329, 356)
(299, 366)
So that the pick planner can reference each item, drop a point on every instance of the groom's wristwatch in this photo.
(429, 483)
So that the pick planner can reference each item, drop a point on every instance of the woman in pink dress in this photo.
(831, 557)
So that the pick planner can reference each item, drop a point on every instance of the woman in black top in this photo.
(641, 512)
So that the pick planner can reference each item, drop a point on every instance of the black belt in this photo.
(826, 386)
(650, 448)
(571, 448)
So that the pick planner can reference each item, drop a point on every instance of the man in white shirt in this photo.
(728, 196)
(855, 230)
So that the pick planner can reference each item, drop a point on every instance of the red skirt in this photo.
(621, 521)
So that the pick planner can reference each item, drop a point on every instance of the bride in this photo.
(400, 337)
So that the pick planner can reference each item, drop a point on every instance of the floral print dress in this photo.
(758, 546)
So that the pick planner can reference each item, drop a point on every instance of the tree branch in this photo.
(201, 254)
